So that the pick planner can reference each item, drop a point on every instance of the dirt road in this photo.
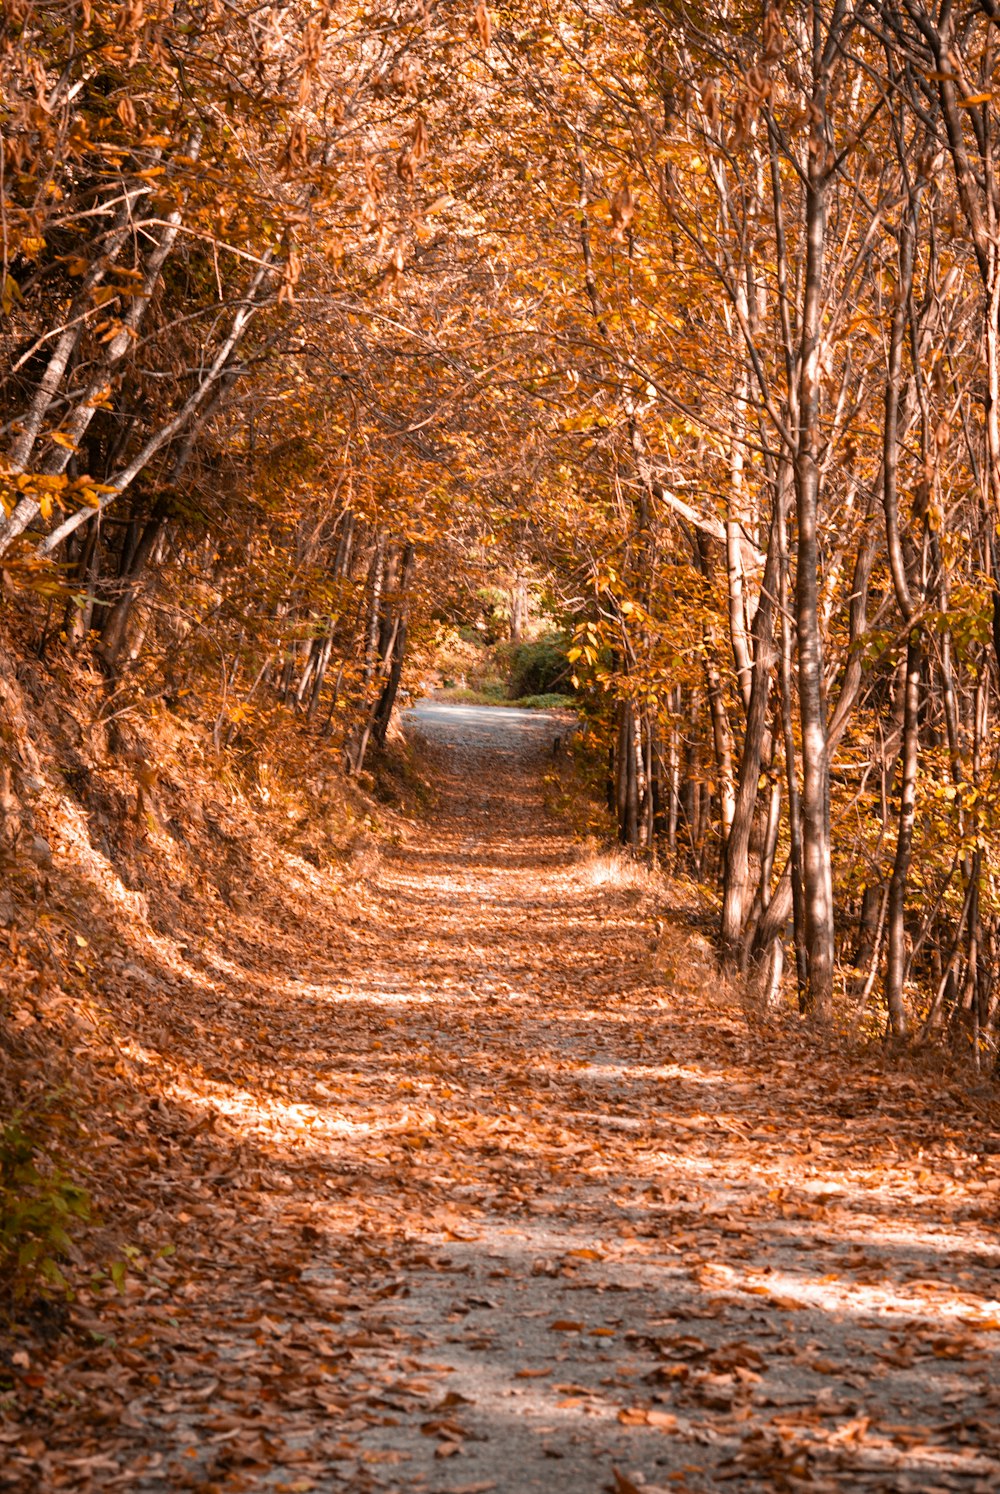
(490, 1203)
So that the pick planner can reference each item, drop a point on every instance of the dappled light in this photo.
(499, 763)
(493, 1193)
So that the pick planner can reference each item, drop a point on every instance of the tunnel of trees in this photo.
(316, 317)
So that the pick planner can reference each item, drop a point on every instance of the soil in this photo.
(482, 1185)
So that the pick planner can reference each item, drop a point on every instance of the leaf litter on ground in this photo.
(440, 1187)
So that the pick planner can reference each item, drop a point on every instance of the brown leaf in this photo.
(453, 1398)
(633, 1416)
(440, 1428)
(664, 1420)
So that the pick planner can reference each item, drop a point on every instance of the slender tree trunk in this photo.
(722, 740)
(622, 760)
(795, 858)
(674, 778)
(396, 649)
(650, 794)
(738, 631)
(817, 879)
(518, 608)
(868, 923)
(736, 884)
(80, 613)
(908, 761)
(375, 586)
(634, 751)
(115, 626)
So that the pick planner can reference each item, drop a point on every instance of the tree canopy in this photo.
(318, 317)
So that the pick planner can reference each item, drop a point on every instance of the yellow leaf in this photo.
(10, 293)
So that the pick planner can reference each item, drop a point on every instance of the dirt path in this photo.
(488, 1204)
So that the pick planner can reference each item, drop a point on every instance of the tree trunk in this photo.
(518, 609)
(908, 760)
(736, 885)
(115, 627)
(817, 880)
(396, 651)
(375, 586)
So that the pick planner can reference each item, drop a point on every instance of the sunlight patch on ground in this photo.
(867, 1186)
(376, 996)
(619, 871)
(856, 1299)
(260, 1114)
(274, 1120)
(613, 1072)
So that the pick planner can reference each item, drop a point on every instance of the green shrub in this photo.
(462, 695)
(539, 668)
(552, 701)
(493, 696)
(39, 1205)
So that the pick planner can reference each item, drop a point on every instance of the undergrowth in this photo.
(41, 1206)
(462, 695)
(130, 843)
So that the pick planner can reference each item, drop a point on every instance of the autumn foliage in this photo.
(316, 318)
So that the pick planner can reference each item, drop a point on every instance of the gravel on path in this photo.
(472, 1182)
(661, 1254)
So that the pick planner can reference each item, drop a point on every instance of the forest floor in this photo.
(463, 1186)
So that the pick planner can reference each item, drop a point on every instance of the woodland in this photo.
(649, 349)
(315, 319)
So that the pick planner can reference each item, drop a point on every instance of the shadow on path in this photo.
(480, 1203)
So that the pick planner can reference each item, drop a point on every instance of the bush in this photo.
(463, 695)
(548, 702)
(39, 1205)
(539, 668)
